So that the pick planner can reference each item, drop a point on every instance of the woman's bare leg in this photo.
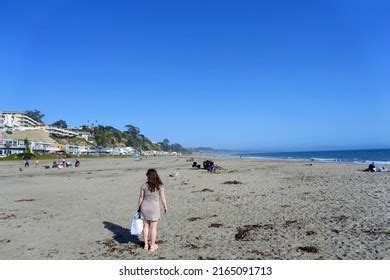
(146, 234)
(153, 235)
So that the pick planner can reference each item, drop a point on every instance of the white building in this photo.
(14, 146)
(86, 135)
(123, 151)
(61, 132)
(16, 120)
(79, 150)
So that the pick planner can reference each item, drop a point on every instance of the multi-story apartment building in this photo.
(15, 120)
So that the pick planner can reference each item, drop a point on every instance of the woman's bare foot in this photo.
(146, 246)
(153, 248)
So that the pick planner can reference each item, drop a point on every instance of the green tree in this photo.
(176, 148)
(60, 124)
(27, 146)
(132, 130)
(165, 145)
(35, 115)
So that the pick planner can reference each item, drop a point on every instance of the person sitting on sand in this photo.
(149, 204)
(211, 167)
(208, 165)
(77, 163)
(371, 167)
(55, 165)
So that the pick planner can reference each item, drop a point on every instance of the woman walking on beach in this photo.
(149, 203)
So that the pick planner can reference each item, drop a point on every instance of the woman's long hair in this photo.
(154, 182)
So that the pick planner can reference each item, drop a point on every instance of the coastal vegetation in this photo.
(35, 115)
(60, 124)
(96, 136)
(109, 137)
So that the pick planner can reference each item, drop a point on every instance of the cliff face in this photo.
(73, 141)
(38, 135)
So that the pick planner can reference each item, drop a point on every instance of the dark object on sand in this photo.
(195, 165)
(309, 249)
(371, 167)
(4, 216)
(25, 200)
(193, 219)
(47, 166)
(235, 182)
(215, 225)
(245, 232)
(209, 165)
(77, 163)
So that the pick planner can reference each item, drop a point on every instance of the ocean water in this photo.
(379, 156)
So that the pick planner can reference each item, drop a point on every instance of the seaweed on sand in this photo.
(243, 233)
(235, 182)
(309, 249)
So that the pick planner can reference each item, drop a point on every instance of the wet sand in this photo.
(247, 210)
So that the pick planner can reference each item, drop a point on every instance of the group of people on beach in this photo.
(373, 168)
(208, 165)
(61, 163)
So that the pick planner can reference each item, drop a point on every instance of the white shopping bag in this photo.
(136, 224)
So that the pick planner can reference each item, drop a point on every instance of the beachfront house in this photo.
(14, 142)
(18, 146)
(123, 151)
(77, 150)
(43, 148)
(72, 149)
(11, 147)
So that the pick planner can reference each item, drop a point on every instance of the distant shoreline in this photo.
(361, 157)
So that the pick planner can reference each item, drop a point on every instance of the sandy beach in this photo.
(249, 209)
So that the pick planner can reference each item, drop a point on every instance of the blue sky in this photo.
(264, 75)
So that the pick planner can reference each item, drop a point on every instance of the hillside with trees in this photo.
(110, 137)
